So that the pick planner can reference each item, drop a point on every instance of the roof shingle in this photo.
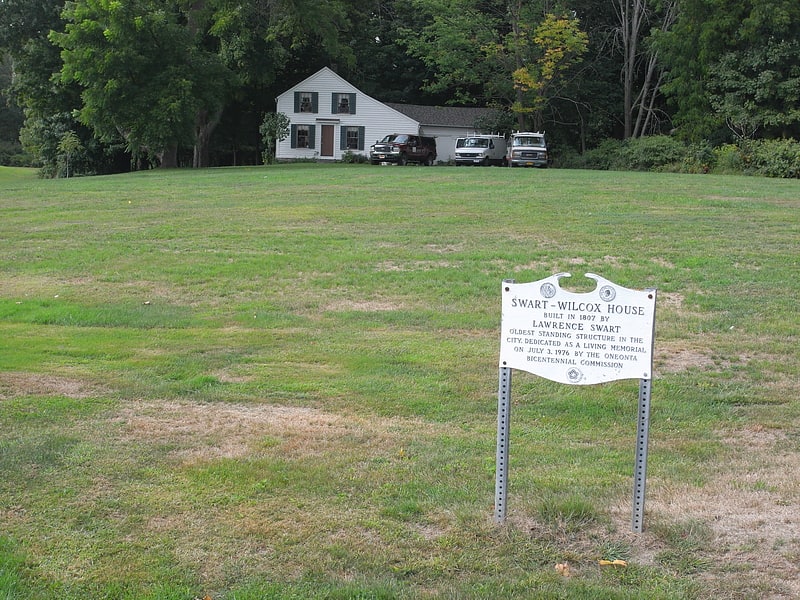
(444, 116)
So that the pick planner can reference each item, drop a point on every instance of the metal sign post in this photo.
(640, 466)
(577, 339)
(503, 426)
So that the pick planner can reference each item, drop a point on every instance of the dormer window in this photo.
(306, 102)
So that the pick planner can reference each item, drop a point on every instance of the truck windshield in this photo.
(472, 143)
(477, 143)
(529, 141)
(397, 139)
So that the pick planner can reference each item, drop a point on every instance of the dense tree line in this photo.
(118, 84)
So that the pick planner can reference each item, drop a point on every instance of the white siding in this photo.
(376, 118)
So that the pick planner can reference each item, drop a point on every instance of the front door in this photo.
(327, 140)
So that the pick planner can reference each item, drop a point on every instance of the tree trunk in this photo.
(514, 16)
(630, 14)
(169, 157)
(653, 78)
(204, 127)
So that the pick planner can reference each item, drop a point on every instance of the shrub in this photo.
(652, 153)
(604, 157)
(768, 158)
(699, 158)
(772, 158)
(12, 155)
(354, 157)
(728, 160)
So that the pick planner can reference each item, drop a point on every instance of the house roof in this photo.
(431, 116)
(444, 116)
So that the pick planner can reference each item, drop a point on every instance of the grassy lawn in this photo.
(281, 382)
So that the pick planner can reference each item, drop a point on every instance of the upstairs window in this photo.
(343, 104)
(306, 102)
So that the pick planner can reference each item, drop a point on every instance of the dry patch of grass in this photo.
(749, 505)
(416, 265)
(98, 289)
(203, 432)
(675, 357)
(15, 384)
(363, 305)
(268, 533)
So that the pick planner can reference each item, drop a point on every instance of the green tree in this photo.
(383, 66)
(274, 128)
(47, 104)
(143, 75)
(10, 118)
(758, 89)
(461, 43)
(68, 147)
(714, 38)
(508, 52)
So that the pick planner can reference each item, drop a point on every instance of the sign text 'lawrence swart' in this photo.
(577, 338)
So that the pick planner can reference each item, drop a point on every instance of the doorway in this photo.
(327, 140)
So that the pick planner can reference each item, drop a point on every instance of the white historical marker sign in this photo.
(577, 338)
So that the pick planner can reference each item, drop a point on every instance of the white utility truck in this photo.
(481, 150)
(528, 149)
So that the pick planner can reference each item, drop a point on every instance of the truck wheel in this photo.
(428, 161)
(403, 160)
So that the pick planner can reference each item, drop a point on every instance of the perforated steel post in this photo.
(640, 468)
(503, 430)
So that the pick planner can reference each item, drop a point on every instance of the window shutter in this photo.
(361, 136)
(342, 138)
(294, 134)
(297, 102)
(352, 104)
(315, 102)
(311, 137)
(334, 107)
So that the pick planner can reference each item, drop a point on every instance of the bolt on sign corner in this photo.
(577, 338)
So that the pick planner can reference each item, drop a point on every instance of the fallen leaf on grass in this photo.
(615, 563)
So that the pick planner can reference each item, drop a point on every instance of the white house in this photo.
(329, 117)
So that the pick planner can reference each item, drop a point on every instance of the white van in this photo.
(482, 150)
(528, 149)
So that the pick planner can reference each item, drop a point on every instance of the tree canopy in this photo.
(188, 82)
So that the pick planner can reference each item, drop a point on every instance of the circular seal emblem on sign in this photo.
(607, 293)
(574, 375)
(548, 290)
